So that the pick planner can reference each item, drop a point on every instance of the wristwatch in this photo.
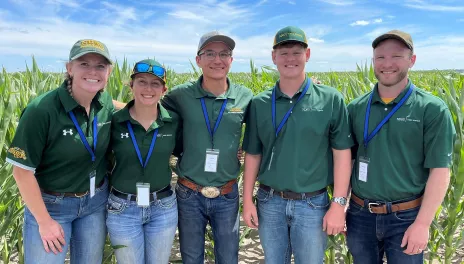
(340, 200)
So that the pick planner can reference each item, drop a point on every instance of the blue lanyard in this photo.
(83, 138)
(367, 137)
(287, 115)
(134, 142)
(208, 125)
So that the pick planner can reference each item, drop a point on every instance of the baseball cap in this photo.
(149, 66)
(85, 46)
(215, 36)
(395, 34)
(290, 33)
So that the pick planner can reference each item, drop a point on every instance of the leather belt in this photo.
(292, 195)
(163, 193)
(381, 208)
(72, 194)
(209, 191)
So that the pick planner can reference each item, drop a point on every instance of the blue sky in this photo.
(340, 32)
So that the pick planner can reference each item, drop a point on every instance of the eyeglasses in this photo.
(143, 67)
(211, 55)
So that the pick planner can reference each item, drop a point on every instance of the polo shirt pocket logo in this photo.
(308, 109)
(164, 135)
(236, 110)
(67, 132)
(126, 135)
(407, 119)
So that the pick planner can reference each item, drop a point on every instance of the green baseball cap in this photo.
(149, 66)
(290, 33)
(85, 46)
(215, 36)
(395, 34)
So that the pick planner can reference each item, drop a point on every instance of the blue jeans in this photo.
(146, 233)
(292, 226)
(370, 236)
(195, 211)
(83, 222)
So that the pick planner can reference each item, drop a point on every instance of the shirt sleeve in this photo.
(439, 137)
(354, 148)
(251, 142)
(340, 133)
(169, 101)
(30, 138)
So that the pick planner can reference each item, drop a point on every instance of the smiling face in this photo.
(217, 68)
(90, 72)
(147, 89)
(290, 60)
(392, 60)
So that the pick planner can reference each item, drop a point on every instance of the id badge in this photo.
(143, 194)
(363, 168)
(211, 161)
(92, 176)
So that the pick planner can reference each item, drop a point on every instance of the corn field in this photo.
(446, 235)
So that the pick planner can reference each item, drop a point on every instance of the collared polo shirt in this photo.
(128, 170)
(185, 100)
(47, 142)
(302, 160)
(418, 137)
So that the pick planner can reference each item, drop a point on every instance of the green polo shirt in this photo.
(418, 137)
(128, 170)
(185, 100)
(47, 142)
(302, 160)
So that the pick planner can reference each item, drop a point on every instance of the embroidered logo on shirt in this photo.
(66, 132)
(17, 153)
(236, 110)
(407, 119)
(306, 109)
(164, 135)
(124, 135)
(102, 124)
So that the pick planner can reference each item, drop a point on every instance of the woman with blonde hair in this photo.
(58, 154)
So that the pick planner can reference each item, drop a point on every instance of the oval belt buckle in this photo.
(210, 192)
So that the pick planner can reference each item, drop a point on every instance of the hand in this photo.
(250, 216)
(415, 238)
(334, 219)
(240, 154)
(315, 80)
(52, 235)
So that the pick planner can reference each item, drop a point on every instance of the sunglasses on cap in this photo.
(143, 67)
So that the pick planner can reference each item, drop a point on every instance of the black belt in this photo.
(163, 193)
(72, 194)
(292, 195)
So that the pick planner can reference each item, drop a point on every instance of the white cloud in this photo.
(360, 23)
(291, 2)
(67, 3)
(378, 20)
(338, 2)
(422, 5)
(316, 40)
(183, 14)
(262, 2)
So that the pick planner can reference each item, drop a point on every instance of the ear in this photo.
(308, 54)
(273, 54)
(413, 61)
(68, 68)
(197, 59)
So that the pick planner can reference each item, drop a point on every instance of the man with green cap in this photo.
(297, 142)
(59, 158)
(212, 110)
(404, 144)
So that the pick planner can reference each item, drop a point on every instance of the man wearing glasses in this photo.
(213, 110)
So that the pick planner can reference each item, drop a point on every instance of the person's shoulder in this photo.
(43, 104)
(360, 100)
(184, 87)
(263, 96)
(322, 88)
(429, 99)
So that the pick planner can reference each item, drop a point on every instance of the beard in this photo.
(393, 80)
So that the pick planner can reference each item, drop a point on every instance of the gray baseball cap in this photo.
(215, 36)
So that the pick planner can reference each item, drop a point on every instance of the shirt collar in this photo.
(69, 103)
(199, 92)
(124, 116)
(300, 90)
(376, 96)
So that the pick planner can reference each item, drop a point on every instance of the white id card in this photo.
(93, 176)
(143, 194)
(363, 165)
(211, 161)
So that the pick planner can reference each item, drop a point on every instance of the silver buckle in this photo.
(210, 192)
(369, 206)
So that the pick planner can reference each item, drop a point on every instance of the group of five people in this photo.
(300, 138)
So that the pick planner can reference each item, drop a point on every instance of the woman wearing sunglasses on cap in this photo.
(142, 207)
(58, 153)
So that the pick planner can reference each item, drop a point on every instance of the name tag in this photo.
(211, 161)
(363, 168)
(143, 194)
(93, 176)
